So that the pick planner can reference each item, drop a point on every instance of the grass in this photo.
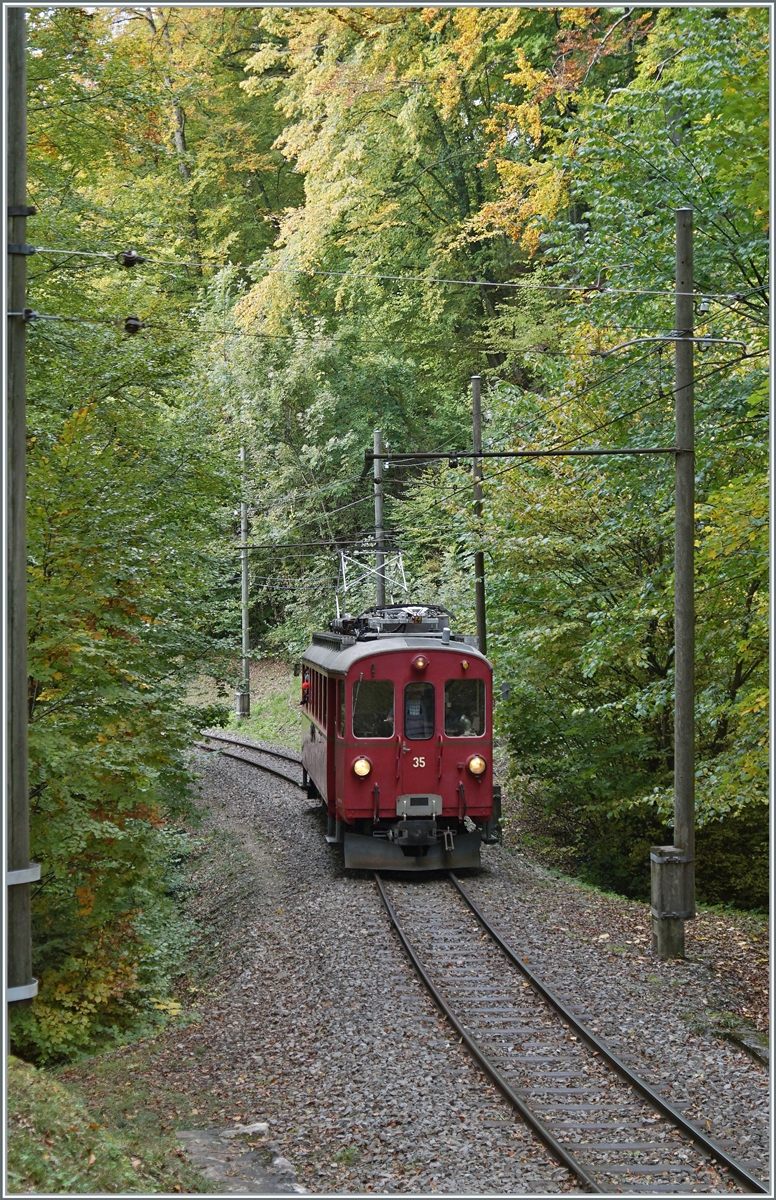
(58, 1141)
(349, 1155)
(275, 713)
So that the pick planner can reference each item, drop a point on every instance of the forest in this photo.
(324, 221)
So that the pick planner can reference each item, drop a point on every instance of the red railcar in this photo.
(398, 742)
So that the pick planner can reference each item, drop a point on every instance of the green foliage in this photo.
(129, 474)
(582, 556)
(329, 175)
(499, 146)
(58, 1143)
(119, 575)
(579, 552)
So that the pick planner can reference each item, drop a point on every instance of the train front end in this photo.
(409, 784)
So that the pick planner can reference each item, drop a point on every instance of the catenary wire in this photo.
(388, 343)
(590, 289)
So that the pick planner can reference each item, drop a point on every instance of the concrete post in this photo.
(479, 557)
(669, 931)
(379, 532)
(243, 697)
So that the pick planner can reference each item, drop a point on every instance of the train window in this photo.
(464, 707)
(373, 708)
(341, 707)
(419, 711)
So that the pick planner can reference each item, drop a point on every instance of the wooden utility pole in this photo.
(673, 867)
(243, 706)
(379, 531)
(20, 872)
(479, 557)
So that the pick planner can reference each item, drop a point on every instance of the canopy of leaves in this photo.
(344, 214)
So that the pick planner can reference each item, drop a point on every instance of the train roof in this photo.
(338, 652)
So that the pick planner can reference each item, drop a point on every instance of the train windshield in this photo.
(373, 708)
(418, 711)
(464, 707)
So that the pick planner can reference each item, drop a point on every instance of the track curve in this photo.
(250, 752)
(528, 1042)
(521, 1037)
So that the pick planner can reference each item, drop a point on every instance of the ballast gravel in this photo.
(318, 1025)
(324, 1031)
(594, 952)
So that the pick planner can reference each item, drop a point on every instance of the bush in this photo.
(612, 851)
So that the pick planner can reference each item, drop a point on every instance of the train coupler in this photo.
(414, 833)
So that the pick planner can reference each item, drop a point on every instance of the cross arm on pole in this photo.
(677, 335)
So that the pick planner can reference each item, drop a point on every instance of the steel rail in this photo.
(652, 1097)
(555, 1147)
(251, 762)
(235, 741)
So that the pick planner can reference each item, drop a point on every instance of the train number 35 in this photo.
(418, 762)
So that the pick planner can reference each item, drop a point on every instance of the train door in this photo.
(420, 747)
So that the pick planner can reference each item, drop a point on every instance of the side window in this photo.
(319, 690)
(306, 687)
(464, 707)
(341, 707)
(419, 711)
(373, 708)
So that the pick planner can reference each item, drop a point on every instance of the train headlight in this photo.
(362, 767)
(477, 765)
(420, 662)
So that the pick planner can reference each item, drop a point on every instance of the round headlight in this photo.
(420, 662)
(477, 764)
(362, 767)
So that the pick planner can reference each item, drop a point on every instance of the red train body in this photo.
(398, 739)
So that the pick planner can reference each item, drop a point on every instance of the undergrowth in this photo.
(57, 1143)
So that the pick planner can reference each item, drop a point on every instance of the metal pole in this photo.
(21, 985)
(669, 930)
(684, 570)
(244, 692)
(379, 534)
(479, 557)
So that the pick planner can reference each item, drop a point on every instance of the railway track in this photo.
(248, 752)
(603, 1123)
(596, 1117)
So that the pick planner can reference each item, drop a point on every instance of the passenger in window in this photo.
(464, 707)
(457, 723)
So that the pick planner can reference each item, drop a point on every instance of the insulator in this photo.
(130, 258)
